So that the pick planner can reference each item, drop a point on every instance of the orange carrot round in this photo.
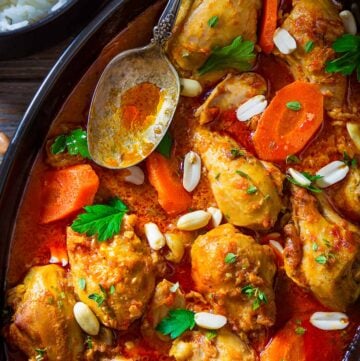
(268, 26)
(172, 197)
(66, 191)
(290, 121)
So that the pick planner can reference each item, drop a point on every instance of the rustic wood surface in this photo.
(19, 81)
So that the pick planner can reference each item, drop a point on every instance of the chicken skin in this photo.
(119, 275)
(322, 251)
(233, 91)
(239, 288)
(242, 187)
(43, 323)
(226, 346)
(319, 22)
(193, 39)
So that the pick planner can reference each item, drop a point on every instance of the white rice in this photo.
(15, 14)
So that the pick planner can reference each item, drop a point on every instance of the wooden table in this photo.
(19, 81)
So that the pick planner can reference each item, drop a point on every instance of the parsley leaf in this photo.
(165, 145)
(75, 143)
(176, 323)
(300, 330)
(99, 299)
(251, 190)
(242, 174)
(293, 105)
(350, 162)
(88, 343)
(292, 159)
(213, 21)
(230, 258)
(260, 296)
(309, 46)
(325, 258)
(112, 289)
(310, 177)
(237, 153)
(82, 283)
(350, 61)
(211, 334)
(101, 220)
(238, 55)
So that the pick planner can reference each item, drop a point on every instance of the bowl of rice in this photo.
(30, 25)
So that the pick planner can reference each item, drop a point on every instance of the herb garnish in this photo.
(230, 258)
(300, 330)
(75, 143)
(211, 334)
(213, 21)
(237, 153)
(325, 258)
(238, 55)
(292, 159)
(251, 190)
(315, 247)
(177, 322)
(101, 220)
(350, 162)
(40, 354)
(112, 289)
(99, 299)
(309, 46)
(242, 174)
(294, 105)
(88, 342)
(349, 46)
(165, 145)
(260, 296)
(82, 283)
(310, 177)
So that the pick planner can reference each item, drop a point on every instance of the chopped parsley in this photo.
(325, 258)
(294, 105)
(350, 162)
(88, 343)
(165, 145)
(176, 323)
(242, 174)
(230, 258)
(237, 153)
(82, 283)
(101, 220)
(75, 143)
(315, 247)
(112, 289)
(292, 159)
(349, 46)
(251, 190)
(99, 299)
(311, 178)
(211, 334)
(213, 21)
(238, 55)
(309, 46)
(300, 330)
(255, 292)
(40, 353)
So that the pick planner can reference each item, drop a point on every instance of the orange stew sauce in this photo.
(33, 243)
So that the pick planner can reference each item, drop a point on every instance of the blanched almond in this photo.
(299, 178)
(354, 132)
(136, 175)
(176, 245)
(284, 41)
(86, 319)
(190, 88)
(216, 216)
(209, 320)
(193, 220)
(349, 22)
(254, 106)
(332, 173)
(155, 238)
(192, 171)
(329, 320)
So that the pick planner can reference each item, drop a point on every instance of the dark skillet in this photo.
(36, 122)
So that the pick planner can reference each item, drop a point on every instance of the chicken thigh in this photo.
(322, 251)
(118, 276)
(193, 38)
(319, 22)
(242, 187)
(43, 323)
(236, 276)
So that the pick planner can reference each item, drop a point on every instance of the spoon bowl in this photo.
(134, 101)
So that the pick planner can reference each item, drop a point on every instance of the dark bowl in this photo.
(48, 30)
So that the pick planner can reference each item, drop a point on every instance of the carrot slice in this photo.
(268, 25)
(172, 197)
(282, 131)
(286, 345)
(66, 191)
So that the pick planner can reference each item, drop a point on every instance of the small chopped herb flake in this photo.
(176, 323)
(211, 334)
(112, 289)
(242, 174)
(300, 330)
(230, 258)
(311, 178)
(40, 353)
(260, 296)
(237, 153)
(88, 343)
(82, 283)
(350, 162)
(217, 176)
(213, 21)
(99, 299)
(292, 159)
(315, 247)
(309, 46)
(75, 143)
(294, 105)
(251, 190)
(165, 145)
(321, 259)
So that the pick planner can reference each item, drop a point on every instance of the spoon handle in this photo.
(162, 31)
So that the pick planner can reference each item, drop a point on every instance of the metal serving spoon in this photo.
(117, 139)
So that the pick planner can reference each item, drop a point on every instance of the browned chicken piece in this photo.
(233, 91)
(193, 38)
(43, 323)
(118, 274)
(316, 21)
(236, 276)
(346, 195)
(226, 346)
(322, 251)
(167, 296)
(242, 187)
